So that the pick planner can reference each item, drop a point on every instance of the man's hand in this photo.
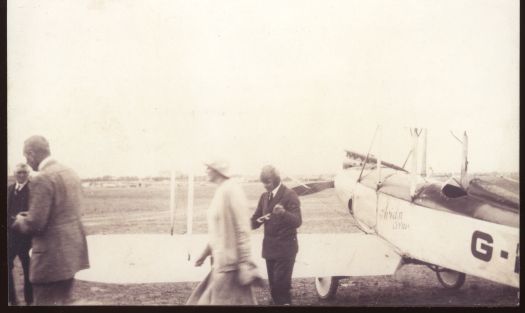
(18, 225)
(263, 218)
(249, 274)
(278, 209)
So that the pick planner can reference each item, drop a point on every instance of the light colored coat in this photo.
(59, 241)
(233, 273)
(229, 227)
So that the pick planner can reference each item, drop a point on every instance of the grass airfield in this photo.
(146, 211)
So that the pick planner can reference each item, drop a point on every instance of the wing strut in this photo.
(464, 164)
(424, 155)
(367, 155)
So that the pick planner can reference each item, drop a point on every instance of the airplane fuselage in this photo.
(418, 228)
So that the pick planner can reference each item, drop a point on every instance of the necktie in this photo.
(270, 197)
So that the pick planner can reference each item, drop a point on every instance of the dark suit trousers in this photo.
(280, 279)
(55, 293)
(23, 255)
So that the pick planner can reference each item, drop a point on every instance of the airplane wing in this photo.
(143, 258)
(373, 160)
(497, 190)
(345, 254)
(309, 188)
(156, 258)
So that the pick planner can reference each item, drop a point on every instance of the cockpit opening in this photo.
(452, 189)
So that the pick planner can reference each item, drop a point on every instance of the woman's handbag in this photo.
(248, 274)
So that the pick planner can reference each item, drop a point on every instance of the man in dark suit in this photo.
(18, 244)
(279, 210)
(59, 241)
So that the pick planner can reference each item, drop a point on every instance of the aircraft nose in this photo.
(344, 184)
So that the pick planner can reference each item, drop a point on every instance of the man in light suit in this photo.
(18, 244)
(279, 210)
(53, 219)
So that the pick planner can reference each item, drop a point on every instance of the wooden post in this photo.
(189, 212)
(191, 187)
(172, 200)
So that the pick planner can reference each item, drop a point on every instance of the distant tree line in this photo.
(181, 177)
(107, 178)
(111, 178)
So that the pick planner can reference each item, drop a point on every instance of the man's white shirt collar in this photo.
(44, 163)
(275, 190)
(20, 186)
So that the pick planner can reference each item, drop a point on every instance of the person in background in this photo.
(18, 244)
(233, 272)
(59, 245)
(279, 210)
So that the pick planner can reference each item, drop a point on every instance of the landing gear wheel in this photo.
(326, 287)
(450, 279)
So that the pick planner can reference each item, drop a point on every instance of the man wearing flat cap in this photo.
(53, 219)
(279, 210)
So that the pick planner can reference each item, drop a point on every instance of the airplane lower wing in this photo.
(353, 254)
(155, 258)
(143, 258)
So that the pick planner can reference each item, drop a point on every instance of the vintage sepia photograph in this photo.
(305, 153)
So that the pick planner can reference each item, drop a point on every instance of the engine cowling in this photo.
(359, 199)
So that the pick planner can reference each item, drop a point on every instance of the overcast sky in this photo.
(133, 87)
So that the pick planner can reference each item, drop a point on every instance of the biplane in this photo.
(461, 226)
(465, 225)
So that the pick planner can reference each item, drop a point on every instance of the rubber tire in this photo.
(332, 288)
(460, 280)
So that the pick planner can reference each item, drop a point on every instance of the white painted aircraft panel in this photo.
(364, 207)
(454, 241)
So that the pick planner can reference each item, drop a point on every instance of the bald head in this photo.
(270, 177)
(36, 148)
(37, 144)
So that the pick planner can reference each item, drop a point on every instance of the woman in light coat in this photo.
(233, 273)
